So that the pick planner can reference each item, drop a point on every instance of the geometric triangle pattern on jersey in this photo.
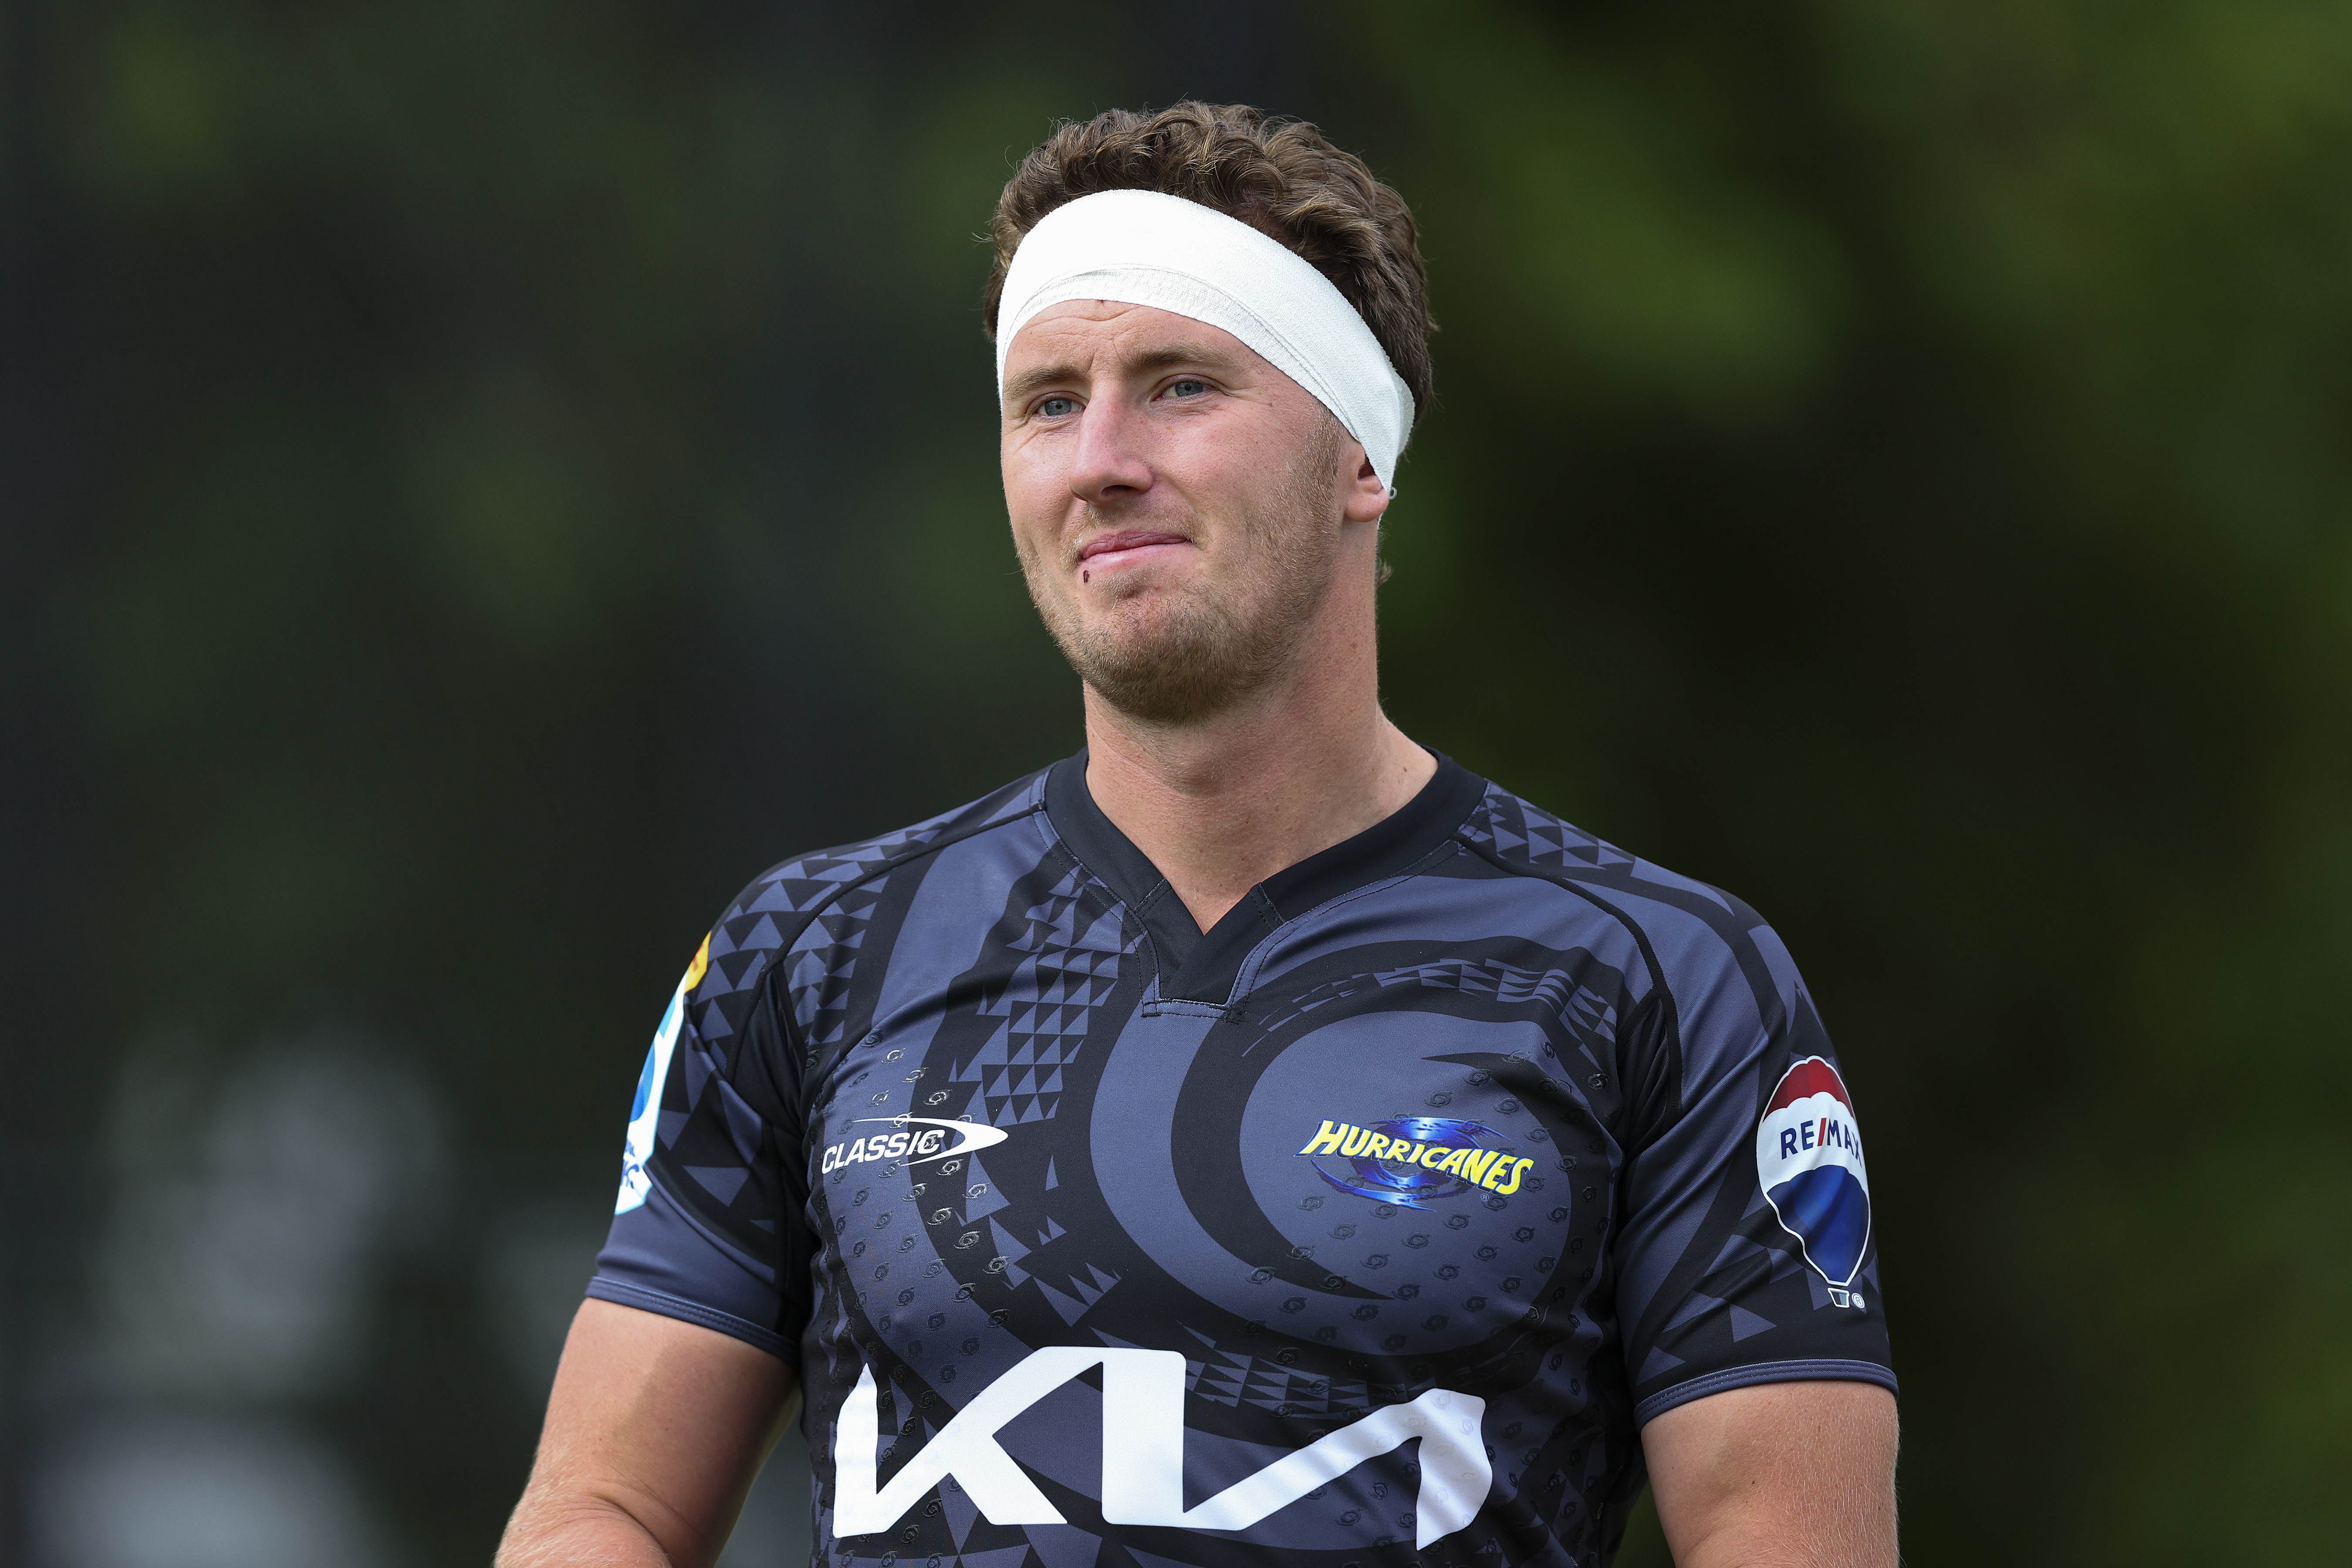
(1068, 972)
(1509, 826)
(822, 972)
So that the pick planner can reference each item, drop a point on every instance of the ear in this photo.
(1367, 497)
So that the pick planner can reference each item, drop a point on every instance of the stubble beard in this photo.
(1180, 655)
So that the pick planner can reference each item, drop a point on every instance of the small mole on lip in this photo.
(1086, 576)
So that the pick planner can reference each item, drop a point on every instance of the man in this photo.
(1254, 1138)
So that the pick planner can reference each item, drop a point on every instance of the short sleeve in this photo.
(1746, 1253)
(710, 1224)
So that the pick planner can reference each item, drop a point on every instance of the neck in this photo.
(1221, 804)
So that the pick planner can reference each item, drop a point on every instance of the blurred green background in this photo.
(482, 478)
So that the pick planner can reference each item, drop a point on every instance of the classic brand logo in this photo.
(1144, 1453)
(930, 1138)
(1409, 1160)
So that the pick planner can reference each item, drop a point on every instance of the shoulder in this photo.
(792, 899)
(1691, 932)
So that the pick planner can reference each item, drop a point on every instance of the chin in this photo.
(1175, 668)
(1164, 694)
(1136, 621)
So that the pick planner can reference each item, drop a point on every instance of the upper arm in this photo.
(681, 1364)
(654, 1431)
(1744, 1251)
(1783, 1475)
(712, 1222)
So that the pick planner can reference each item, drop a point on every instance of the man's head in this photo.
(1280, 177)
(1188, 513)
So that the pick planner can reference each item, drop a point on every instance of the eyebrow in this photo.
(1028, 382)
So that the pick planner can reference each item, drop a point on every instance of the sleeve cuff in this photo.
(627, 1295)
(1665, 1399)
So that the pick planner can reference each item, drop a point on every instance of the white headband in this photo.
(1142, 247)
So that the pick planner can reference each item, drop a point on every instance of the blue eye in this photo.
(1187, 387)
(1057, 407)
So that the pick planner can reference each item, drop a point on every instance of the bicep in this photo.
(1778, 1475)
(664, 1421)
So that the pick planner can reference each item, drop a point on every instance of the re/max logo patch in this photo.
(1818, 1133)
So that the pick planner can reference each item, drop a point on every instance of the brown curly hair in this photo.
(1279, 176)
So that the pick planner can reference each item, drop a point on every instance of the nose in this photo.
(1110, 463)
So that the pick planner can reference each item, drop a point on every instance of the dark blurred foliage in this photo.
(481, 480)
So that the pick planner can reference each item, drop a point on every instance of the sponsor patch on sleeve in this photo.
(1809, 1161)
(644, 1112)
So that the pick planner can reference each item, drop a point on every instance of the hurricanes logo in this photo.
(1409, 1160)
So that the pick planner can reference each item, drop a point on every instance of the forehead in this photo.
(1099, 336)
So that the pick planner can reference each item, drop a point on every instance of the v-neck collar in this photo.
(1201, 966)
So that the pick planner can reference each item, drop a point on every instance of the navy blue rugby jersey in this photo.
(1366, 1228)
